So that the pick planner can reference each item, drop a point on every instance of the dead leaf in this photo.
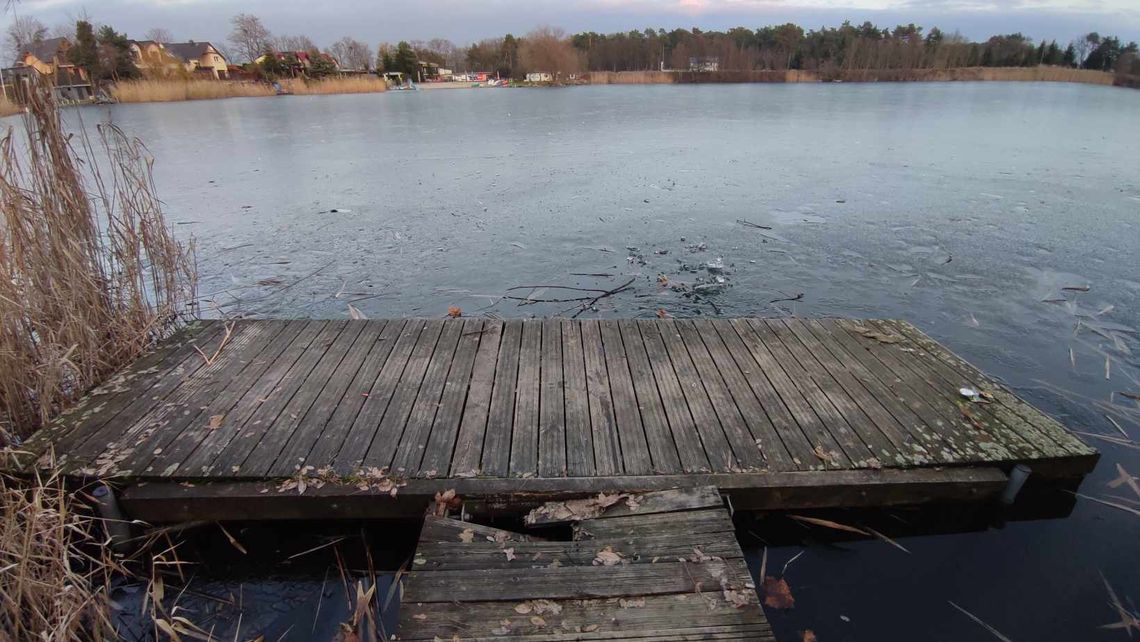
(662, 313)
(454, 312)
(807, 635)
(537, 621)
(590, 628)
(467, 536)
(607, 557)
(777, 594)
(215, 422)
(510, 553)
(737, 598)
(632, 603)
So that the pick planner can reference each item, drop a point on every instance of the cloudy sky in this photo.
(466, 20)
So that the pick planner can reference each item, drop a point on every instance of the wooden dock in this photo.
(662, 566)
(776, 413)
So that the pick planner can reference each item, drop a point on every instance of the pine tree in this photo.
(85, 53)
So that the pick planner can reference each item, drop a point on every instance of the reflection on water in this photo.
(999, 218)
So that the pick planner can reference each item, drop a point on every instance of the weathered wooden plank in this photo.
(137, 383)
(500, 422)
(678, 614)
(976, 445)
(771, 422)
(473, 425)
(905, 402)
(551, 404)
(337, 430)
(387, 437)
(562, 582)
(137, 436)
(695, 455)
(88, 440)
(603, 425)
(349, 456)
(198, 430)
(984, 429)
(876, 428)
(712, 408)
(229, 461)
(316, 394)
(579, 439)
(834, 442)
(650, 549)
(1021, 439)
(429, 401)
(527, 631)
(295, 453)
(436, 458)
(190, 416)
(169, 501)
(1023, 417)
(635, 525)
(443, 530)
(662, 448)
(202, 460)
(649, 503)
(627, 415)
(524, 435)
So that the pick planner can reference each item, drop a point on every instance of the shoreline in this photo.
(954, 74)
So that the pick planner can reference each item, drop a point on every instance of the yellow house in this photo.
(49, 58)
(152, 58)
(199, 57)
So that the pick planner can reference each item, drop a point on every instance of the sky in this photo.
(464, 21)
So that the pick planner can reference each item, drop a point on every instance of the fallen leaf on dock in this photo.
(510, 553)
(878, 336)
(467, 536)
(807, 635)
(454, 312)
(215, 422)
(607, 557)
(777, 594)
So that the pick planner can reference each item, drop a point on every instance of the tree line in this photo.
(776, 47)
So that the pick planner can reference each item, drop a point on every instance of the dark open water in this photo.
(959, 207)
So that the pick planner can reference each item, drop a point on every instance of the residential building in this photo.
(704, 64)
(539, 76)
(198, 57)
(152, 58)
(48, 59)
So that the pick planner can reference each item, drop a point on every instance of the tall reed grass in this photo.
(336, 85)
(8, 107)
(90, 273)
(172, 90)
(54, 571)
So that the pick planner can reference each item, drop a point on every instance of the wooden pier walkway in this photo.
(662, 566)
(775, 412)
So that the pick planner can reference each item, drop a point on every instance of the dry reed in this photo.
(90, 273)
(8, 107)
(337, 85)
(173, 90)
(54, 571)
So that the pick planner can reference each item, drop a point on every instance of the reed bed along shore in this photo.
(90, 273)
(161, 91)
(1025, 74)
(339, 85)
(174, 90)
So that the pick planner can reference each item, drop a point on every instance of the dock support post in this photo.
(118, 528)
(1017, 478)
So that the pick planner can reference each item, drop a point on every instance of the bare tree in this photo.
(249, 37)
(63, 30)
(352, 54)
(294, 43)
(546, 49)
(159, 34)
(23, 31)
